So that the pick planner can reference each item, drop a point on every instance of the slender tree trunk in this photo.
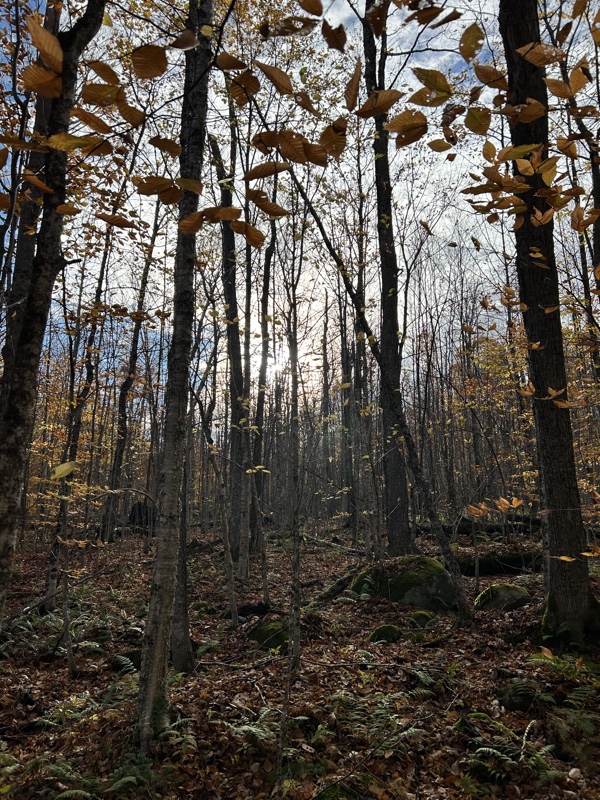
(153, 698)
(18, 406)
(399, 534)
(570, 607)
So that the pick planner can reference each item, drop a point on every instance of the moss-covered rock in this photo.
(270, 635)
(500, 563)
(506, 596)
(413, 580)
(386, 633)
(421, 619)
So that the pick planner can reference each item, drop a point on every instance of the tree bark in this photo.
(400, 540)
(570, 606)
(18, 406)
(153, 698)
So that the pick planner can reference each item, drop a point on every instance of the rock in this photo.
(506, 596)
(270, 635)
(386, 633)
(422, 618)
(413, 580)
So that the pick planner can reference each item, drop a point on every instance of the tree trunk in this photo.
(18, 406)
(570, 606)
(153, 699)
(394, 468)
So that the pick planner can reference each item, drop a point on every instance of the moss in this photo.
(386, 633)
(270, 635)
(422, 618)
(414, 580)
(501, 563)
(506, 596)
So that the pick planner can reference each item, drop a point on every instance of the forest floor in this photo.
(418, 719)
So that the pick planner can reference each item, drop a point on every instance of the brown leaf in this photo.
(67, 209)
(289, 26)
(101, 147)
(243, 87)
(47, 44)
(134, 116)
(151, 184)
(67, 141)
(558, 88)
(478, 120)
(91, 120)
(118, 220)
(541, 54)
(490, 76)
(280, 80)
(316, 154)
(470, 42)
(335, 37)
(409, 125)
(192, 223)
(266, 169)
(378, 103)
(149, 61)
(169, 146)
(253, 236)
(377, 16)
(102, 94)
(333, 138)
(453, 15)
(4, 202)
(186, 40)
(214, 214)
(291, 146)
(266, 140)
(226, 61)
(171, 195)
(352, 87)
(311, 7)
(439, 145)
(303, 100)
(40, 80)
(33, 179)
(428, 97)
(105, 72)
(433, 79)
(261, 200)
(190, 185)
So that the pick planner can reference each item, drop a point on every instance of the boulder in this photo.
(506, 596)
(386, 633)
(270, 635)
(412, 580)
(421, 619)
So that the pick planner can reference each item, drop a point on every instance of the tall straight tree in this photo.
(20, 385)
(399, 534)
(570, 606)
(153, 700)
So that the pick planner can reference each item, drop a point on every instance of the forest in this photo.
(300, 399)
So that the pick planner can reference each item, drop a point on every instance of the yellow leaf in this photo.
(102, 94)
(68, 142)
(33, 179)
(470, 42)
(105, 72)
(40, 80)
(91, 120)
(64, 469)
(546, 652)
(67, 209)
(47, 44)
(106, 20)
(207, 30)
(568, 559)
(149, 61)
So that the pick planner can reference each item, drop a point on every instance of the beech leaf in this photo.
(40, 80)
(47, 44)
(105, 72)
(64, 469)
(378, 103)
(470, 42)
(186, 40)
(253, 236)
(266, 169)
(352, 87)
(149, 61)
(280, 80)
(335, 37)
(226, 61)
